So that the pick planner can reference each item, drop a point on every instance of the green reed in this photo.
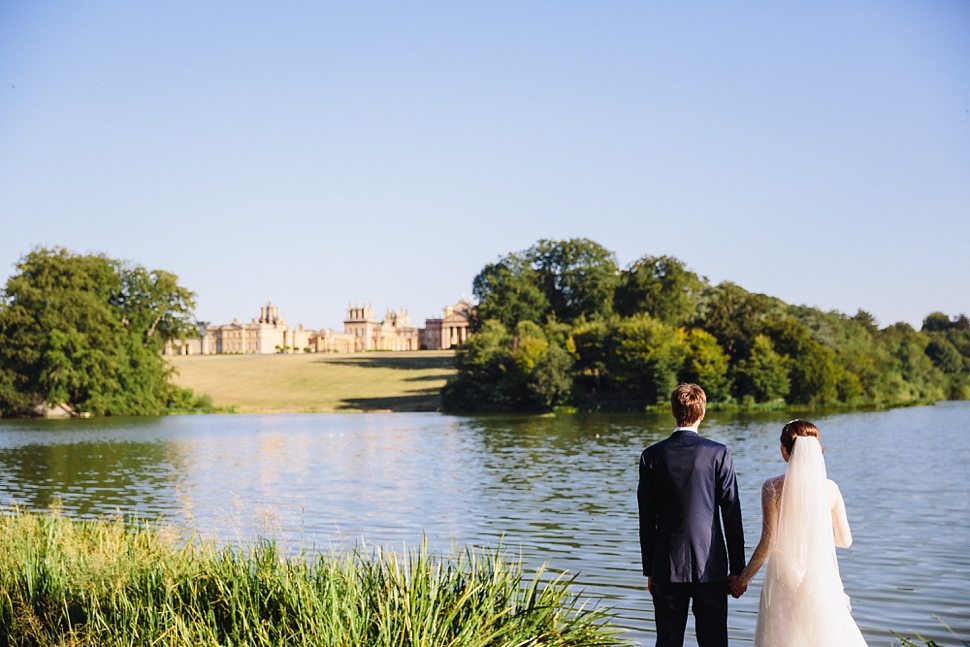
(108, 583)
(903, 641)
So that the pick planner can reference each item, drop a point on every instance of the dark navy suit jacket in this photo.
(685, 481)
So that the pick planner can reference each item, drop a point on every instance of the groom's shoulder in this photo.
(657, 448)
(713, 444)
(711, 447)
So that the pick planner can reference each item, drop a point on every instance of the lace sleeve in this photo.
(769, 516)
(840, 523)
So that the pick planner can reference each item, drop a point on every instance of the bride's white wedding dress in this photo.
(802, 600)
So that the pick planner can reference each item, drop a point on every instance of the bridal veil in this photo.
(802, 600)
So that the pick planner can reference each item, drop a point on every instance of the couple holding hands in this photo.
(687, 487)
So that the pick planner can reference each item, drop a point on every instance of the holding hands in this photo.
(735, 588)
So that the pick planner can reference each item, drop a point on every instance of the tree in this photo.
(86, 331)
(552, 382)
(735, 317)
(867, 320)
(647, 356)
(153, 303)
(542, 377)
(592, 343)
(764, 374)
(661, 286)
(937, 322)
(483, 363)
(706, 364)
(960, 339)
(912, 370)
(813, 371)
(509, 292)
(577, 277)
(502, 372)
(623, 333)
(945, 356)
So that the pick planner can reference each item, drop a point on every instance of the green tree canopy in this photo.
(541, 379)
(566, 324)
(813, 370)
(945, 356)
(552, 280)
(483, 364)
(735, 316)
(937, 322)
(508, 292)
(706, 364)
(502, 372)
(86, 331)
(647, 357)
(915, 378)
(764, 374)
(661, 286)
(577, 276)
(593, 347)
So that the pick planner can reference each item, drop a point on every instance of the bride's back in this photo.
(772, 490)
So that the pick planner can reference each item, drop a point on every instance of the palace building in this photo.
(394, 333)
(264, 335)
(451, 330)
(269, 334)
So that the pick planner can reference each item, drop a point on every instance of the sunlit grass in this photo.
(318, 382)
(108, 583)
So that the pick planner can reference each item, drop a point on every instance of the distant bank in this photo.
(317, 382)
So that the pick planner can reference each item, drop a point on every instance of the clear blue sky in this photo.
(320, 153)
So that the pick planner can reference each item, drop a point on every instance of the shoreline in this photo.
(716, 407)
(561, 411)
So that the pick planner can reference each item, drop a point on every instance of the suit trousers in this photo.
(670, 602)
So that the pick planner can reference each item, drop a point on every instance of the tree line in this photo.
(561, 324)
(87, 331)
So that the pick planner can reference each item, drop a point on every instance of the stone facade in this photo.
(269, 334)
(394, 333)
(265, 335)
(451, 330)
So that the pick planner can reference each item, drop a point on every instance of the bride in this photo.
(802, 601)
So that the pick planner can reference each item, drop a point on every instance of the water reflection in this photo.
(557, 489)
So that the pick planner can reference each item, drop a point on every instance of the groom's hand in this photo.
(735, 587)
(650, 584)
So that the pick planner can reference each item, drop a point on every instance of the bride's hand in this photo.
(735, 587)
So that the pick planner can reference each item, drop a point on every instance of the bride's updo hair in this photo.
(794, 429)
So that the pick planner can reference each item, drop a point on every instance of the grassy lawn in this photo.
(404, 381)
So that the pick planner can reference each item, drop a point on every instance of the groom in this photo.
(684, 481)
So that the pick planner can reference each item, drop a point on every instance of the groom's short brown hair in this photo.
(688, 403)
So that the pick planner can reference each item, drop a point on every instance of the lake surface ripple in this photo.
(553, 489)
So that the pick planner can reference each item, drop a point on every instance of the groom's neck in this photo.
(692, 427)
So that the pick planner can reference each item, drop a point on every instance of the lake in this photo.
(552, 489)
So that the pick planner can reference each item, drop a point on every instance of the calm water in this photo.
(558, 489)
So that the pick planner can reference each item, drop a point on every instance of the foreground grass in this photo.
(317, 382)
(65, 582)
(904, 641)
